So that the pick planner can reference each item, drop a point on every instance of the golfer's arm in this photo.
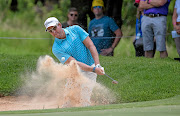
(83, 66)
(90, 45)
(118, 34)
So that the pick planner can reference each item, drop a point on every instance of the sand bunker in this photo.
(46, 88)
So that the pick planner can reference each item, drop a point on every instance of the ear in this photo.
(59, 24)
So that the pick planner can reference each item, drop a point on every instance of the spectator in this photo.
(176, 24)
(101, 30)
(72, 18)
(154, 25)
(138, 42)
(73, 43)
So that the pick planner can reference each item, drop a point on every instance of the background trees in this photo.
(34, 12)
(113, 8)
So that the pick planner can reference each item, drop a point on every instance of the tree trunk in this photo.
(13, 6)
(113, 9)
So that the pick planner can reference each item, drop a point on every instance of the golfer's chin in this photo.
(57, 36)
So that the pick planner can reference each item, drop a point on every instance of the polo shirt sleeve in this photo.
(82, 33)
(175, 4)
(61, 56)
(112, 24)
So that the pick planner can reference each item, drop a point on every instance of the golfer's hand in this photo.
(107, 51)
(99, 71)
(102, 69)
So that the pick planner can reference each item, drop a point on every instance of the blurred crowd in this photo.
(151, 26)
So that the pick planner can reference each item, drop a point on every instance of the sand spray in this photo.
(52, 84)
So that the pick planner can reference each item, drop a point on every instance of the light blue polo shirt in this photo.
(73, 46)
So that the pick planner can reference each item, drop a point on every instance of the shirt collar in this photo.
(66, 31)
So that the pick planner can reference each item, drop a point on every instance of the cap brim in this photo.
(51, 24)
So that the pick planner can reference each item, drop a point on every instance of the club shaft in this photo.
(109, 76)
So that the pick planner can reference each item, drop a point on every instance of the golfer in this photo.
(73, 43)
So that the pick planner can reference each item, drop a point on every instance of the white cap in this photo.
(52, 21)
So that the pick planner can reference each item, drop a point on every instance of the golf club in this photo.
(113, 81)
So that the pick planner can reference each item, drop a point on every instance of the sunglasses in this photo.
(100, 7)
(52, 29)
(74, 15)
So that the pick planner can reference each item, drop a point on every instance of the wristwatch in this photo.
(94, 69)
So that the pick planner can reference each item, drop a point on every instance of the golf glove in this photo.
(99, 66)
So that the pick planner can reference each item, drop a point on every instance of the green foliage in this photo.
(28, 19)
(27, 46)
(55, 13)
(31, 21)
(4, 4)
(171, 6)
(63, 9)
(169, 22)
(128, 13)
(3, 9)
(60, 13)
(25, 5)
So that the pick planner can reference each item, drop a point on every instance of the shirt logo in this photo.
(97, 31)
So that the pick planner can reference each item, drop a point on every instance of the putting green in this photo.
(164, 107)
(169, 110)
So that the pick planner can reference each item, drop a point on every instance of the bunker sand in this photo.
(51, 85)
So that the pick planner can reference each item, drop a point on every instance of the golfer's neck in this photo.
(62, 34)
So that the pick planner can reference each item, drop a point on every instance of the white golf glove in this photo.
(99, 66)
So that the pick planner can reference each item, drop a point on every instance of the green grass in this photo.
(140, 79)
(25, 46)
